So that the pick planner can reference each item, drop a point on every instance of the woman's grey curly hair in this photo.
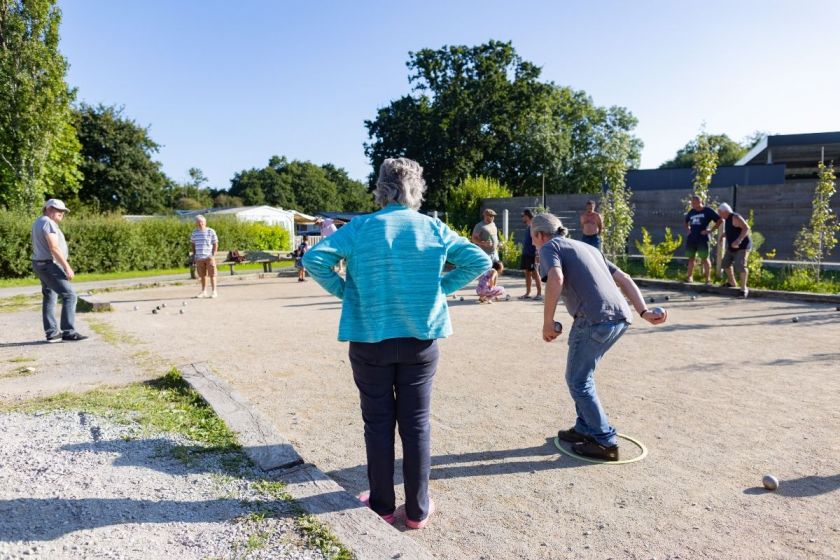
(548, 223)
(400, 181)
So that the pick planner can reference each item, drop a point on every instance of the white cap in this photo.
(725, 207)
(57, 204)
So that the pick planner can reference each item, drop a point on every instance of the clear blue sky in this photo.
(226, 84)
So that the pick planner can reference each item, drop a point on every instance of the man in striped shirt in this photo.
(205, 243)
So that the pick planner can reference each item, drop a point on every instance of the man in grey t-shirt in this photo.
(49, 261)
(486, 235)
(592, 289)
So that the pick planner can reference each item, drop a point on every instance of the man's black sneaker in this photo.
(572, 436)
(73, 337)
(54, 337)
(595, 450)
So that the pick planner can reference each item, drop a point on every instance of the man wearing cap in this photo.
(49, 261)
(738, 245)
(486, 235)
(594, 291)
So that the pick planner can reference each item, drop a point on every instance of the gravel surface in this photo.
(80, 486)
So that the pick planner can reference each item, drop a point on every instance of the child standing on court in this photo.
(298, 254)
(487, 289)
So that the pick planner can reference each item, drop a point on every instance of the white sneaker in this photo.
(201, 295)
(214, 295)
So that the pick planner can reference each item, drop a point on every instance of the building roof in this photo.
(794, 150)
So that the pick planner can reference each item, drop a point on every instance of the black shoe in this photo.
(54, 337)
(595, 450)
(572, 436)
(73, 337)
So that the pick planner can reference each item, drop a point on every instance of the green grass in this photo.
(169, 404)
(96, 277)
(22, 371)
(20, 359)
(17, 303)
(108, 333)
(166, 404)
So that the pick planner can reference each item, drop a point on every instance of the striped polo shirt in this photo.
(203, 241)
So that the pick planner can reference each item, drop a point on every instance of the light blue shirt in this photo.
(395, 285)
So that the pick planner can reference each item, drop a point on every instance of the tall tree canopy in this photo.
(484, 111)
(728, 150)
(301, 185)
(119, 173)
(39, 151)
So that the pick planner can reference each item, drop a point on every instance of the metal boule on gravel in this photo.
(462, 298)
(154, 311)
(795, 319)
(770, 482)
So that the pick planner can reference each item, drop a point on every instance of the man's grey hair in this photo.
(725, 207)
(549, 224)
(400, 181)
(200, 218)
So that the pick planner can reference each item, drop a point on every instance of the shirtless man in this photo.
(591, 225)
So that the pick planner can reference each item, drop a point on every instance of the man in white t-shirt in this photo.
(205, 244)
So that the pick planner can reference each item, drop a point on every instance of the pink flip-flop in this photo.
(411, 524)
(364, 497)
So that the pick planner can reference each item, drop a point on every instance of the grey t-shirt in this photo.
(487, 232)
(40, 248)
(589, 289)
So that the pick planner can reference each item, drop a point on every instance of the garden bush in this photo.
(109, 243)
(657, 256)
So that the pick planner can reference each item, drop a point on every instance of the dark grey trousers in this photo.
(394, 378)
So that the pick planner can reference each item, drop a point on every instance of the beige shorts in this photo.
(736, 259)
(206, 267)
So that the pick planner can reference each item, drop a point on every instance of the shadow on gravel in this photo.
(804, 487)
(59, 516)
(27, 343)
(478, 463)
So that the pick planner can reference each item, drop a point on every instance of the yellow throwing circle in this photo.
(635, 442)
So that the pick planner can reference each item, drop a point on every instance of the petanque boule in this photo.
(163, 305)
(181, 311)
(795, 319)
(659, 311)
(558, 327)
(183, 303)
(462, 298)
(136, 308)
(154, 311)
(693, 298)
(652, 300)
(507, 297)
(667, 298)
(770, 482)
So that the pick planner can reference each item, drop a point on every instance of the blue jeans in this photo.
(594, 240)
(587, 345)
(394, 378)
(54, 283)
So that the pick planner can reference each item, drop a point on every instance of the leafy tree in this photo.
(191, 195)
(728, 150)
(224, 200)
(38, 147)
(353, 194)
(705, 164)
(482, 111)
(119, 173)
(464, 207)
(616, 206)
(300, 185)
(817, 239)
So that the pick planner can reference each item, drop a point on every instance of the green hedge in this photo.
(108, 243)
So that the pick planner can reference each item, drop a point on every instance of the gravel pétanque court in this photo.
(724, 393)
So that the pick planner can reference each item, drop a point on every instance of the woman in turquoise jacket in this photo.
(393, 311)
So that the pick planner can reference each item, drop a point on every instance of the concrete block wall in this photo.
(780, 211)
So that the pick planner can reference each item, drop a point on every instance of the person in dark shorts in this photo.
(697, 222)
(738, 245)
(528, 262)
(591, 224)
